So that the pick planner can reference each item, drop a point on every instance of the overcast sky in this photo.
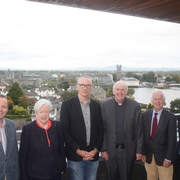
(36, 35)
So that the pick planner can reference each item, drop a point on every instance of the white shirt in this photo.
(3, 136)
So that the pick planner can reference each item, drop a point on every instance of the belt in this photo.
(120, 146)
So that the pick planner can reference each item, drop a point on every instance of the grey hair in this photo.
(117, 82)
(84, 76)
(42, 102)
(158, 91)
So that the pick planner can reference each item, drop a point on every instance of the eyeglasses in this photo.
(85, 85)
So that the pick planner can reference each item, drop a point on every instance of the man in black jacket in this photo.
(83, 132)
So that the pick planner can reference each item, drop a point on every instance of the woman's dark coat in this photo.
(36, 158)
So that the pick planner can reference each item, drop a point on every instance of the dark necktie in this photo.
(154, 125)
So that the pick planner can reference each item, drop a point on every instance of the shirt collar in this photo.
(3, 124)
(159, 112)
(88, 102)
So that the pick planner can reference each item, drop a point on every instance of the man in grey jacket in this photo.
(9, 168)
(123, 143)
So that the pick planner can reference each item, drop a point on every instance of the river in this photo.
(143, 95)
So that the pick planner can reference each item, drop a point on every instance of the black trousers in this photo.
(118, 167)
(178, 167)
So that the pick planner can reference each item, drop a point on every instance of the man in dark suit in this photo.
(122, 137)
(159, 139)
(83, 132)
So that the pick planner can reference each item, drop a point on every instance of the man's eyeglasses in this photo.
(85, 85)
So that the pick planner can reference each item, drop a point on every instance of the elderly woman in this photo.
(41, 154)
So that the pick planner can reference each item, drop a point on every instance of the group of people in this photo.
(41, 155)
(116, 130)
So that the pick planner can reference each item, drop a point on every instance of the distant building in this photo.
(131, 82)
(106, 79)
(4, 91)
(98, 93)
(45, 91)
(118, 72)
(31, 95)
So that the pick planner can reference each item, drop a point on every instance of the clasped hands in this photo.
(87, 155)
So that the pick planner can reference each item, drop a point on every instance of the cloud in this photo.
(40, 36)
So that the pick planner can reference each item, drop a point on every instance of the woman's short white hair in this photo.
(42, 102)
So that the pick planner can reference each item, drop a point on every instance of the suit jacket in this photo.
(9, 161)
(178, 143)
(36, 158)
(163, 146)
(75, 131)
(133, 139)
(177, 158)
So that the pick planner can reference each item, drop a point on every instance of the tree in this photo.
(150, 106)
(23, 102)
(175, 106)
(176, 78)
(66, 94)
(20, 111)
(64, 85)
(15, 92)
(10, 103)
(129, 74)
(72, 80)
(149, 77)
(137, 76)
(130, 92)
(168, 79)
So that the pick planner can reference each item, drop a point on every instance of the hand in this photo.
(166, 163)
(104, 155)
(138, 157)
(91, 154)
(85, 155)
(143, 158)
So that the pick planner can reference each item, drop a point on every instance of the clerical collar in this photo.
(120, 103)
